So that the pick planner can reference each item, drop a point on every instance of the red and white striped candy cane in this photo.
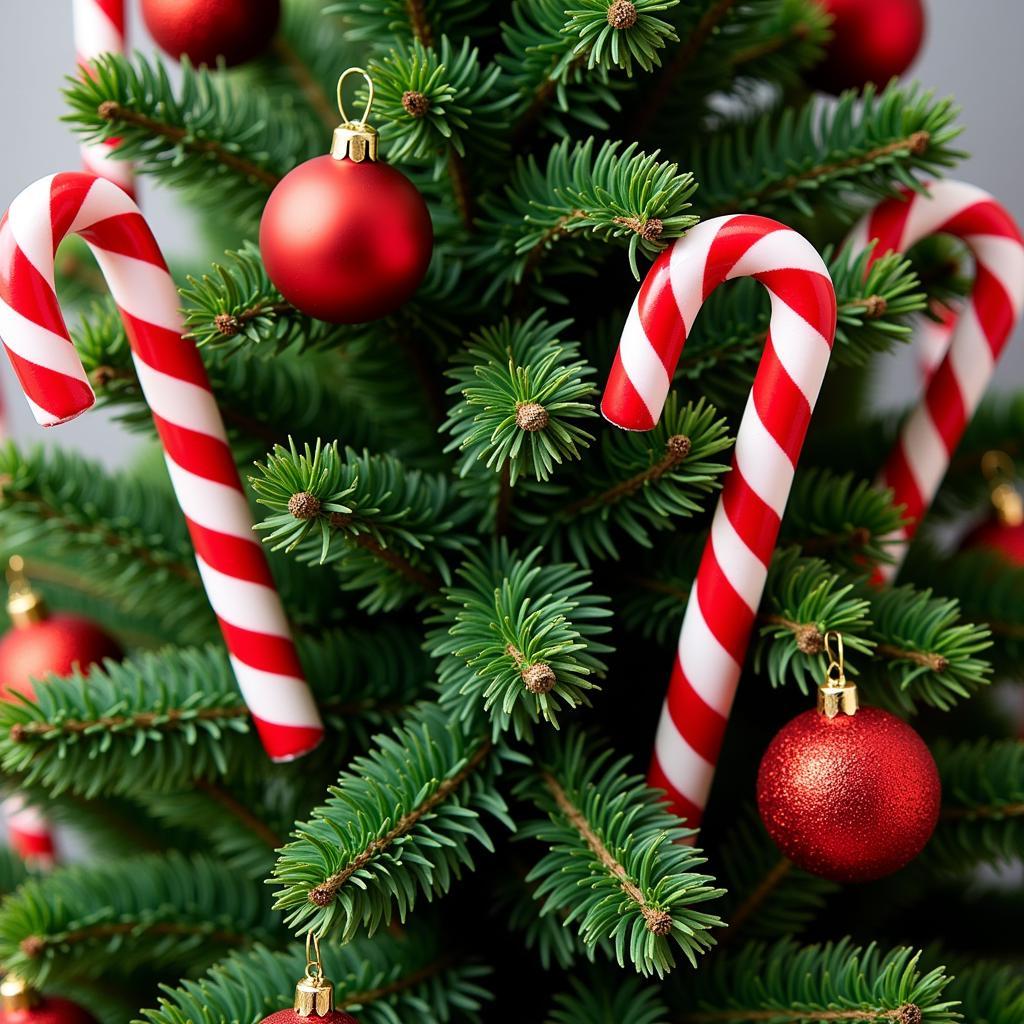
(918, 462)
(99, 27)
(724, 598)
(28, 832)
(231, 562)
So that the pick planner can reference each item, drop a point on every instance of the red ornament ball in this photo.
(57, 645)
(872, 40)
(291, 1017)
(346, 242)
(204, 30)
(849, 798)
(1002, 538)
(48, 1010)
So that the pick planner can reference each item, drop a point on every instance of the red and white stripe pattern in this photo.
(30, 835)
(917, 464)
(231, 562)
(723, 601)
(99, 27)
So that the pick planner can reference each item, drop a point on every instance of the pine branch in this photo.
(767, 897)
(398, 822)
(161, 721)
(518, 639)
(385, 528)
(176, 911)
(866, 144)
(125, 532)
(217, 143)
(384, 980)
(636, 484)
(408, 19)
(615, 862)
(790, 984)
(551, 216)
(521, 390)
(983, 804)
(598, 999)
(990, 993)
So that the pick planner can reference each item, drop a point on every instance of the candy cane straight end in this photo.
(231, 562)
(722, 605)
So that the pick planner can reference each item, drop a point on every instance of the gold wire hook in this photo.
(314, 968)
(836, 659)
(369, 99)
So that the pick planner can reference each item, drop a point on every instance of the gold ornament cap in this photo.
(24, 605)
(15, 994)
(314, 994)
(1001, 473)
(837, 695)
(355, 140)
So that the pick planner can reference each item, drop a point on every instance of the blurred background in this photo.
(972, 52)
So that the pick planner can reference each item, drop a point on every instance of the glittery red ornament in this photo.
(849, 798)
(346, 242)
(48, 1010)
(872, 41)
(204, 30)
(1002, 538)
(291, 1017)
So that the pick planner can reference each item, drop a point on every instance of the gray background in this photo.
(972, 52)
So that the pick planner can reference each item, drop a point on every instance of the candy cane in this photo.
(724, 598)
(99, 28)
(231, 562)
(920, 458)
(29, 833)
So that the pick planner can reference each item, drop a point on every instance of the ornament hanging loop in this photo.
(314, 994)
(1000, 472)
(355, 140)
(836, 695)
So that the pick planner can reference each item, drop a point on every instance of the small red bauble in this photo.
(1002, 538)
(872, 41)
(48, 1010)
(56, 645)
(346, 242)
(851, 798)
(291, 1017)
(204, 30)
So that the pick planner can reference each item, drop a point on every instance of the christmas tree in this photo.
(485, 580)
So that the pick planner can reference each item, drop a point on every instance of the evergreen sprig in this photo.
(117, 916)
(520, 639)
(615, 865)
(401, 821)
(387, 529)
(867, 143)
(611, 34)
(385, 980)
(225, 147)
(552, 215)
(635, 484)
(522, 389)
(370, 23)
(982, 803)
(990, 993)
(596, 999)
(787, 983)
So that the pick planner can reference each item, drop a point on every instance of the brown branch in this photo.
(930, 660)
(504, 500)
(809, 639)
(33, 946)
(908, 1013)
(753, 902)
(231, 324)
(461, 189)
(308, 85)
(916, 142)
(680, 63)
(658, 921)
(238, 810)
(797, 31)
(110, 539)
(557, 230)
(112, 111)
(420, 23)
(172, 718)
(391, 558)
(1014, 810)
(398, 985)
(542, 97)
(323, 895)
(677, 448)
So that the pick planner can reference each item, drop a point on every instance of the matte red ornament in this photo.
(1002, 538)
(851, 798)
(346, 242)
(56, 645)
(48, 1010)
(204, 30)
(872, 41)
